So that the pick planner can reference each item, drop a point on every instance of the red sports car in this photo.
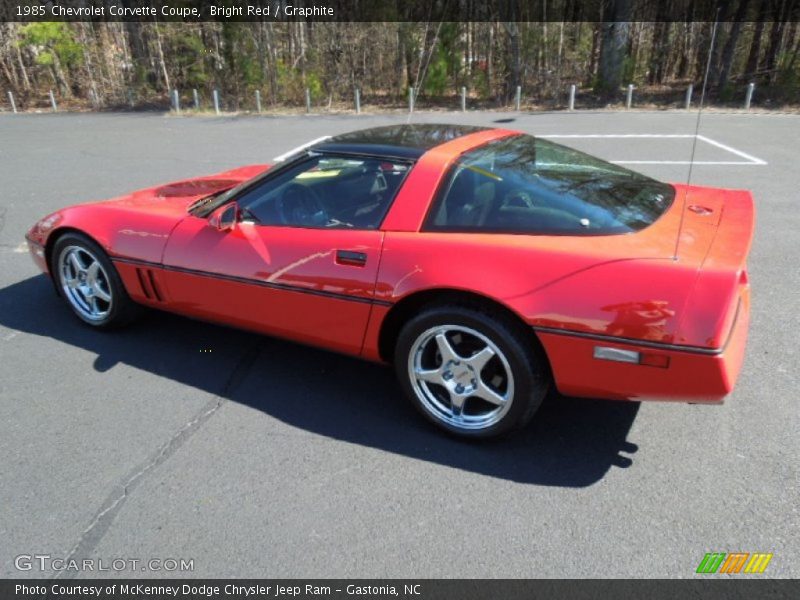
(485, 264)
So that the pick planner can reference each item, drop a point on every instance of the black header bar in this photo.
(193, 11)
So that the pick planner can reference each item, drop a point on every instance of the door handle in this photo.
(353, 259)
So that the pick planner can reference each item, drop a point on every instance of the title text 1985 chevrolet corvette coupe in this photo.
(484, 263)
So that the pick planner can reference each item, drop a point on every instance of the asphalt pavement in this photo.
(251, 456)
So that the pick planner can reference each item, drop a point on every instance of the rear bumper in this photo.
(693, 374)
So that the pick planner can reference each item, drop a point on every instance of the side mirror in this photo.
(225, 217)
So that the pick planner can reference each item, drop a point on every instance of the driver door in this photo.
(302, 261)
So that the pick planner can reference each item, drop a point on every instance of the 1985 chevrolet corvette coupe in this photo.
(485, 264)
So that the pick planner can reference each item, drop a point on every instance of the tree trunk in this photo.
(776, 38)
(490, 60)
(730, 46)
(401, 68)
(755, 44)
(515, 66)
(596, 30)
(659, 50)
(60, 79)
(468, 52)
(615, 38)
(793, 59)
(26, 81)
(162, 63)
(703, 42)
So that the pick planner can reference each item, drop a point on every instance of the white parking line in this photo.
(751, 160)
(620, 135)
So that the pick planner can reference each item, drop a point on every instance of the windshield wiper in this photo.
(205, 200)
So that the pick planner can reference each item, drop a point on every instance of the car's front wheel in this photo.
(89, 282)
(470, 371)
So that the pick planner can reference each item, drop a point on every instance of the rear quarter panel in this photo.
(627, 286)
(578, 284)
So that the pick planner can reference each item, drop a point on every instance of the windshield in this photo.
(207, 204)
(524, 184)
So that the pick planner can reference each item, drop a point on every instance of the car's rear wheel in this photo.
(89, 282)
(469, 371)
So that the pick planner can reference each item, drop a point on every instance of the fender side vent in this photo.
(147, 281)
(154, 286)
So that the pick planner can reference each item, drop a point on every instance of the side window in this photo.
(327, 192)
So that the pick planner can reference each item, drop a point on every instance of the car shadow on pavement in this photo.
(571, 442)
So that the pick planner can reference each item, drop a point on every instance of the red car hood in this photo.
(178, 195)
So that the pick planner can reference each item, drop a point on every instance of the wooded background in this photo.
(121, 64)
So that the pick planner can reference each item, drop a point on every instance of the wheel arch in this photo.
(413, 303)
(57, 234)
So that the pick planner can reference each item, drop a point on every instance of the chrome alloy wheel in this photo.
(85, 283)
(461, 377)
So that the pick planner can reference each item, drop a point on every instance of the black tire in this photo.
(118, 311)
(466, 328)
